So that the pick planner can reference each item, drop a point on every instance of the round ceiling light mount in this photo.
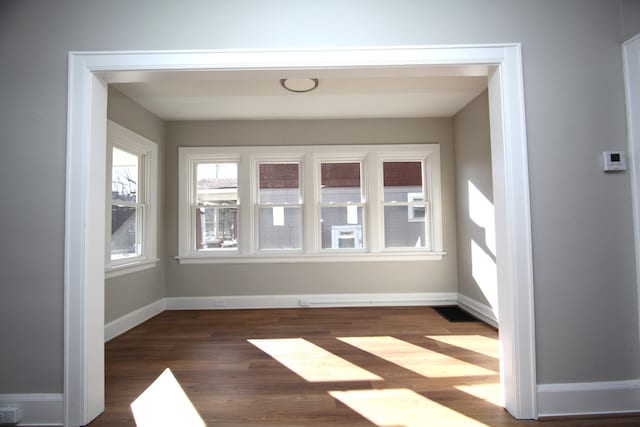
(299, 85)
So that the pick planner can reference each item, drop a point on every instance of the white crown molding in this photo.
(594, 398)
(38, 409)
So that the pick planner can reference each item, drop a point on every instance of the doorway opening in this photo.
(89, 76)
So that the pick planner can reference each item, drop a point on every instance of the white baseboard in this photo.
(37, 409)
(310, 300)
(588, 398)
(478, 309)
(133, 319)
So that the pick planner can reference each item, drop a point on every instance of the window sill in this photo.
(133, 267)
(311, 258)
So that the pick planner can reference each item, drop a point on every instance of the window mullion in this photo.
(374, 228)
(247, 190)
(108, 206)
(141, 230)
(145, 196)
(311, 210)
(432, 188)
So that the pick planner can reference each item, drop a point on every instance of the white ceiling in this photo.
(435, 91)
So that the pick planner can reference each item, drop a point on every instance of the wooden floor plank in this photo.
(233, 383)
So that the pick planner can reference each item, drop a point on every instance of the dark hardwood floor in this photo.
(326, 367)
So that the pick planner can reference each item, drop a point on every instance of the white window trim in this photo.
(310, 158)
(121, 137)
(364, 155)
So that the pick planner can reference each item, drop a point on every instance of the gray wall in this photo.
(125, 294)
(630, 17)
(472, 154)
(585, 292)
(311, 278)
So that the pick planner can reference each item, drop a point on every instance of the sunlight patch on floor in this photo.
(415, 358)
(164, 403)
(487, 392)
(478, 343)
(311, 362)
(402, 407)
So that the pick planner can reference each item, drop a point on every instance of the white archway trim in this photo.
(89, 74)
(631, 59)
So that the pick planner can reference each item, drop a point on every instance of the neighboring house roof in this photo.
(333, 175)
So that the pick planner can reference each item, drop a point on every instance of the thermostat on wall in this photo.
(614, 161)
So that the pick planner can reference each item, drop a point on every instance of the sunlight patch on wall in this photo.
(402, 407)
(482, 213)
(485, 273)
(311, 362)
(477, 343)
(418, 359)
(164, 403)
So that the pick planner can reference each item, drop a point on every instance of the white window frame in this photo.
(147, 151)
(430, 181)
(276, 157)
(353, 155)
(310, 158)
(195, 206)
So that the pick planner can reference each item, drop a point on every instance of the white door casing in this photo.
(89, 74)
(631, 59)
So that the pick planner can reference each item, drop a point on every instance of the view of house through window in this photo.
(279, 206)
(342, 206)
(126, 205)
(404, 205)
(216, 211)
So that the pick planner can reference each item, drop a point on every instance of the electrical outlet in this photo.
(10, 415)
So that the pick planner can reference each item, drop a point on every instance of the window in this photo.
(279, 206)
(309, 203)
(216, 206)
(131, 201)
(341, 205)
(404, 205)
(127, 205)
